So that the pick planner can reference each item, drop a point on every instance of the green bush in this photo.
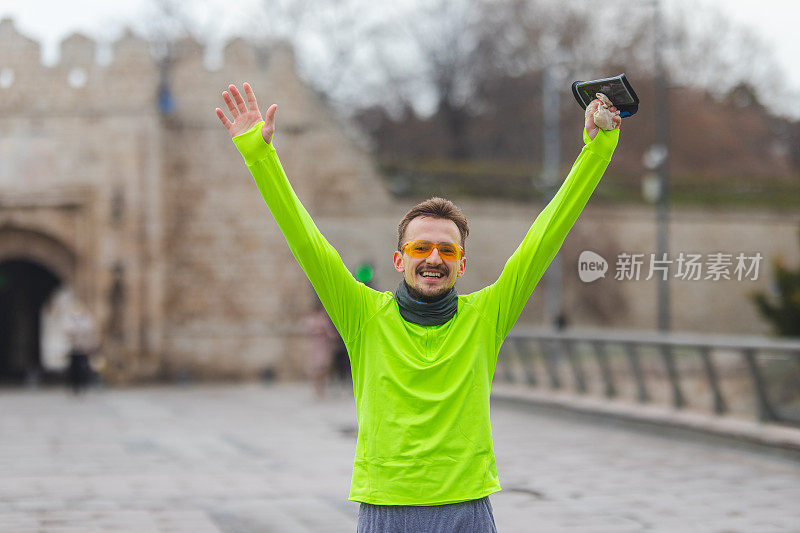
(782, 310)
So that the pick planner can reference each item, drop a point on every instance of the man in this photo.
(422, 358)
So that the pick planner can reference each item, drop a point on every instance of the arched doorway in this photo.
(24, 288)
(33, 266)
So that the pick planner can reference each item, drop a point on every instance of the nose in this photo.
(434, 258)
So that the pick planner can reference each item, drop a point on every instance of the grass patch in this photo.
(516, 181)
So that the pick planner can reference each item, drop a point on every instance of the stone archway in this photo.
(24, 288)
(32, 267)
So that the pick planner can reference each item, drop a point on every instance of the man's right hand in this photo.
(245, 116)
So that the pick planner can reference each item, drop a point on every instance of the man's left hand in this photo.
(591, 127)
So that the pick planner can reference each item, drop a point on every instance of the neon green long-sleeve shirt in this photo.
(422, 392)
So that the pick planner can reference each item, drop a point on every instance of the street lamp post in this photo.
(662, 169)
(552, 81)
(662, 203)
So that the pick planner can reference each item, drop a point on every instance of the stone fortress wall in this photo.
(148, 213)
(102, 187)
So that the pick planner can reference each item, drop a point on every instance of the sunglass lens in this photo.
(448, 251)
(420, 249)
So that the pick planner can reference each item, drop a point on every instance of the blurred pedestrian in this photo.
(322, 342)
(561, 321)
(82, 336)
(341, 363)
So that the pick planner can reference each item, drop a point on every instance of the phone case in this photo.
(618, 89)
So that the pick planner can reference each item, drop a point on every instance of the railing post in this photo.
(526, 359)
(633, 358)
(765, 411)
(605, 369)
(575, 364)
(549, 363)
(507, 365)
(711, 374)
(669, 363)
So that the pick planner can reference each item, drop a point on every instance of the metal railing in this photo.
(688, 369)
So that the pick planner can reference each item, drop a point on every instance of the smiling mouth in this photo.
(432, 275)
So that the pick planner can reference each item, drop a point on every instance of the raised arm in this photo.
(344, 298)
(504, 300)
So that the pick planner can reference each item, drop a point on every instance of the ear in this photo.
(462, 266)
(398, 261)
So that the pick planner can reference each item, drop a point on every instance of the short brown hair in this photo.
(436, 208)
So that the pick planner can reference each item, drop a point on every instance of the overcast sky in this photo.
(49, 21)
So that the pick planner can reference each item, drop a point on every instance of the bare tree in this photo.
(464, 77)
(412, 55)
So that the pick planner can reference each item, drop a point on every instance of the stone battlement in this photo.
(129, 80)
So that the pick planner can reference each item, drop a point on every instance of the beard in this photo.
(429, 297)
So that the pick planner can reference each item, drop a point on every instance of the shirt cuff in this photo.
(604, 142)
(252, 146)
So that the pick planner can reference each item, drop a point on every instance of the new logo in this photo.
(591, 266)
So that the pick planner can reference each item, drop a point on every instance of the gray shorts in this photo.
(473, 516)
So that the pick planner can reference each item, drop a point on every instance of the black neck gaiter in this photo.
(426, 314)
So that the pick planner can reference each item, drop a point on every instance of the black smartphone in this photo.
(618, 89)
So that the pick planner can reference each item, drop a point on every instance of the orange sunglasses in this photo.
(449, 251)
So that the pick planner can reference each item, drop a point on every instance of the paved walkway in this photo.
(272, 459)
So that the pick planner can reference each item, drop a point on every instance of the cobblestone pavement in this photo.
(260, 458)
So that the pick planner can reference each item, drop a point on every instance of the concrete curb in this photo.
(762, 438)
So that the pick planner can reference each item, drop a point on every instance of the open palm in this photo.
(246, 115)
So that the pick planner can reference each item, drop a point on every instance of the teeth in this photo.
(431, 275)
